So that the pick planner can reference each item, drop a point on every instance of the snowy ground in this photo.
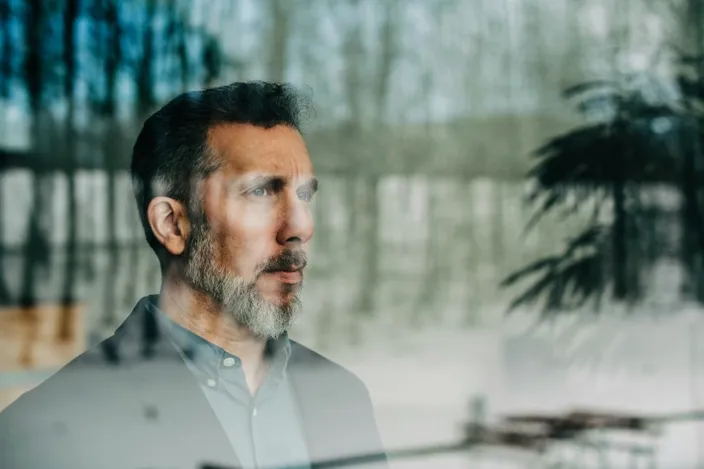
(422, 386)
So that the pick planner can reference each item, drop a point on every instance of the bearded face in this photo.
(252, 226)
(241, 297)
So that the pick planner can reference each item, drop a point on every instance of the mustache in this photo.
(288, 260)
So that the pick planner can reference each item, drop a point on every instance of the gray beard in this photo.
(238, 297)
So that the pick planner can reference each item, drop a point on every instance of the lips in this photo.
(285, 276)
(287, 268)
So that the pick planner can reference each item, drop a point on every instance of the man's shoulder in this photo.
(68, 385)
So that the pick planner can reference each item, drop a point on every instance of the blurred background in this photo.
(511, 214)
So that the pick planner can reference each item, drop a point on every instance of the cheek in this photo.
(246, 241)
(253, 220)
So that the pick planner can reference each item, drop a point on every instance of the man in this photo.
(204, 373)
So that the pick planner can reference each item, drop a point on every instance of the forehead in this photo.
(245, 149)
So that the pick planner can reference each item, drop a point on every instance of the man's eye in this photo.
(305, 196)
(259, 192)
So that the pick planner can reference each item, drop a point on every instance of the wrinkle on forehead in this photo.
(247, 149)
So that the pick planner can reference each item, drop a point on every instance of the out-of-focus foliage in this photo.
(635, 136)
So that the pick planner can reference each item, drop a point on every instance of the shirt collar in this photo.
(204, 354)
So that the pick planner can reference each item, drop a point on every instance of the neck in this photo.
(198, 313)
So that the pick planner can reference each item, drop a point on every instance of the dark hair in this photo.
(172, 149)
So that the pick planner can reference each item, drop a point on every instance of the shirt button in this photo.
(228, 362)
(211, 383)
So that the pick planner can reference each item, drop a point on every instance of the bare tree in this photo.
(6, 78)
(111, 150)
(145, 73)
(177, 36)
(280, 12)
(388, 54)
(364, 216)
(66, 332)
(35, 249)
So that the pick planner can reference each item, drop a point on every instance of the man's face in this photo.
(252, 225)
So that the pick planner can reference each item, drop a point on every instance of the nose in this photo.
(297, 225)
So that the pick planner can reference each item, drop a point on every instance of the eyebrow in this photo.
(312, 183)
(278, 181)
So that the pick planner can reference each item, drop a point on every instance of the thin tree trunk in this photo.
(145, 79)
(5, 79)
(387, 56)
(370, 258)
(7, 49)
(113, 265)
(692, 222)
(692, 247)
(66, 331)
(352, 52)
(468, 232)
(114, 56)
(32, 252)
(33, 76)
(386, 59)
(178, 37)
(280, 16)
(111, 157)
(432, 279)
(364, 201)
(620, 242)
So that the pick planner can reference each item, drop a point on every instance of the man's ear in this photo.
(168, 220)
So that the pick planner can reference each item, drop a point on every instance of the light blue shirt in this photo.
(265, 429)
